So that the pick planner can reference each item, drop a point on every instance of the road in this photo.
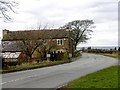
(55, 76)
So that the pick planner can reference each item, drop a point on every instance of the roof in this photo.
(12, 46)
(36, 34)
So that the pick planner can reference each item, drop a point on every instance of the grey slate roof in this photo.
(13, 46)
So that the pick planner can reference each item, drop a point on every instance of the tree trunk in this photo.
(30, 59)
(75, 46)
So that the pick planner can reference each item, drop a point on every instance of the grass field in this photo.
(106, 78)
(114, 55)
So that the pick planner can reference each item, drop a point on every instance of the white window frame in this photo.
(60, 42)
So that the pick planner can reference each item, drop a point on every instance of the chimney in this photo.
(5, 31)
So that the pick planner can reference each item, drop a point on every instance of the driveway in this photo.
(54, 76)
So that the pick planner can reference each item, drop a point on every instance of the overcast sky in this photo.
(58, 12)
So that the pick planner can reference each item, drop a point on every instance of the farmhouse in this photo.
(12, 41)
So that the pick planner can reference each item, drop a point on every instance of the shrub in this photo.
(76, 53)
(11, 63)
(65, 56)
(22, 60)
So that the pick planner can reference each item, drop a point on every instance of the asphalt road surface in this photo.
(55, 76)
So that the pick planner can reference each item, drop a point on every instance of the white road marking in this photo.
(19, 79)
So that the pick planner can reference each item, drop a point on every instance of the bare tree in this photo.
(5, 7)
(31, 42)
(28, 43)
(47, 47)
(81, 29)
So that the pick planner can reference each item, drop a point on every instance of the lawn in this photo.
(106, 78)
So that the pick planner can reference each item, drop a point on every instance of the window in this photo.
(59, 41)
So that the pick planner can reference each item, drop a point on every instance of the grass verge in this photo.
(33, 66)
(106, 78)
(114, 55)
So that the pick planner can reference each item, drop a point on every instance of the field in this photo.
(114, 55)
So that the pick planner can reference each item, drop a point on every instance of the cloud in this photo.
(58, 12)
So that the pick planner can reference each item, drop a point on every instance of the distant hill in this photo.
(99, 47)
